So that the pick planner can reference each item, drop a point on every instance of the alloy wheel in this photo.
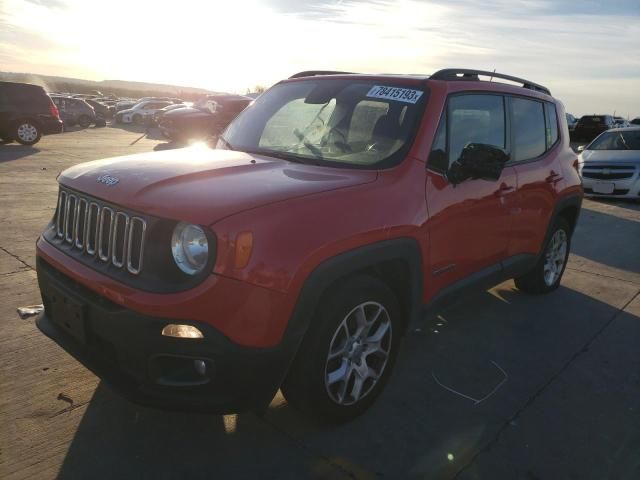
(358, 353)
(555, 257)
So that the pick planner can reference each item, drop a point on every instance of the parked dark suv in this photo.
(26, 113)
(335, 210)
(590, 126)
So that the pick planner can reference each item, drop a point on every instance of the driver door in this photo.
(470, 222)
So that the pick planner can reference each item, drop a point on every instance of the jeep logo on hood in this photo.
(108, 180)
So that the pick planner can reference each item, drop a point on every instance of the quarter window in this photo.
(475, 119)
(529, 129)
(438, 156)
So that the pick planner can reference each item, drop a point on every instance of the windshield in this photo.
(339, 122)
(627, 140)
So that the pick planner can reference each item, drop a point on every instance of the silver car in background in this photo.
(610, 164)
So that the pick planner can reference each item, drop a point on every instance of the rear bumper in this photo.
(126, 350)
(51, 125)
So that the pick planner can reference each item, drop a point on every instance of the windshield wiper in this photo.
(281, 155)
(308, 145)
(623, 142)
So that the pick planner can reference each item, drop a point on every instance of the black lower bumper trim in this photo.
(122, 347)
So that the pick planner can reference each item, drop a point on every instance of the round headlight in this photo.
(190, 248)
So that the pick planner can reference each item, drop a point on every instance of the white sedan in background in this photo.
(139, 113)
(610, 164)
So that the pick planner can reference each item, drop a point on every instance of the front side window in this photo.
(529, 130)
(475, 119)
(356, 123)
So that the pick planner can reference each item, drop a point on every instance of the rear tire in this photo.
(27, 132)
(84, 121)
(348, 353)
(547, 273)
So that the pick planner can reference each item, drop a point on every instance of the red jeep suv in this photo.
(335, 210)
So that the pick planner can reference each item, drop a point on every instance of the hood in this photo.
(200, 185)
(128, 110)
(611, 156)
(186, 111)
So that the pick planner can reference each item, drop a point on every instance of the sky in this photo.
(587, 52)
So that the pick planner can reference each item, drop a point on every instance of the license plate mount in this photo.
(606, 188)
(69, 314)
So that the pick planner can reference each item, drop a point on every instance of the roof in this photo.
(448, 74)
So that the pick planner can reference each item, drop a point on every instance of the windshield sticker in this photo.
(406, 95)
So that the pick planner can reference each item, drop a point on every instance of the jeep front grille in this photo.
(97, 230)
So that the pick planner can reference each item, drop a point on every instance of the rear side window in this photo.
(475, 119)
(552, 125)
(529, 129)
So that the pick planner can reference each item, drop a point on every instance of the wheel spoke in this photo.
(361, 319)
(339, 374)
(374, 348)
(342, 392)
(356, 390)
(379, 334)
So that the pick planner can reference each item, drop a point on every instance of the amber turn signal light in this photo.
(244, 246)
(181, 331)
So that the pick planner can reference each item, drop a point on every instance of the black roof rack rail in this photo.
(313, 73)
(469, 74)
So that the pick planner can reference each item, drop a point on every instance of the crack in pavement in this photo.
(585, 348)
(16, 258)
(632, 282)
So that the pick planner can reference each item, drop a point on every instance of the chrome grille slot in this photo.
(62, 207)
(69, 214)
(81, 219)
(135, 245)
(104, 233)
(92, 228)
(120, 234)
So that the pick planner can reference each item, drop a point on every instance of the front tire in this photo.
(27, 132)
(348, 353)
(547, 273)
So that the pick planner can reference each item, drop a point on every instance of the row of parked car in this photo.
(589, 127)
(27, 112)
(180, 120)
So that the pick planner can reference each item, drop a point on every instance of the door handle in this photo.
(503, 189)
(553, 177)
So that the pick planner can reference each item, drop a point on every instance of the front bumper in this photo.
(622, 188)
(126, 350)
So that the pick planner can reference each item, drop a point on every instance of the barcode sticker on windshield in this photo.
(394, 93)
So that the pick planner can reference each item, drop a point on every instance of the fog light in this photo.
(181, 331)
(200, 367)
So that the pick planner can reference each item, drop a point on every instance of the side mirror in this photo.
(478, 161)
(581, 148)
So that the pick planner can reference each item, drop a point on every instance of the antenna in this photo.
(491, 79)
